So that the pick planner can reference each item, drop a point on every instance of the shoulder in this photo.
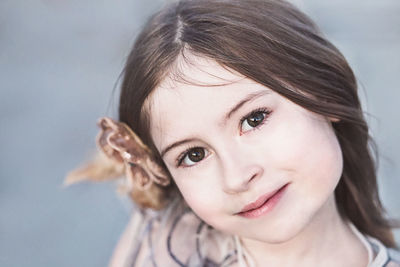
(157, 238)
(174, 237)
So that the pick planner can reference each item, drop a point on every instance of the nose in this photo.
(240, 167)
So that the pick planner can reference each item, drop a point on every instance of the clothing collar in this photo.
(377, 252)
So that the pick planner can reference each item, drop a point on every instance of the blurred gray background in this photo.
(59, 62)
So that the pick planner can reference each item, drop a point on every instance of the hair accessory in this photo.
(121, 144)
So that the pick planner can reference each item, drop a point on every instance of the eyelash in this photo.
(266, 111)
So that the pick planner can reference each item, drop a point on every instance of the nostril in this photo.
(253, 177)
(255, 174)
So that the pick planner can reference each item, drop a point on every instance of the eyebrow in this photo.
(228, 115)
(179, 143)
(248, 98)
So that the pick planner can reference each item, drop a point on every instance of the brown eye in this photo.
(196, 154)
(253, 120)
(192, 156)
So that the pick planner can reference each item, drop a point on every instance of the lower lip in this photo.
(266, 207)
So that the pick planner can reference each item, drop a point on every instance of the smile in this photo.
(263, 204)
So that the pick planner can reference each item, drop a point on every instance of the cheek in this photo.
(318, 163)
(310, 143)
(201, 197)
(307, 149)
(323, 160)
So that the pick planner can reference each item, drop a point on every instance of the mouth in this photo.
(263, 204)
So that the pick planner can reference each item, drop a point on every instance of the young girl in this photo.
(242, 141)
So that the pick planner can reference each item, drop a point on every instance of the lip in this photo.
(263, 204)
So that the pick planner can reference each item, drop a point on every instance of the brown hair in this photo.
(274, 44)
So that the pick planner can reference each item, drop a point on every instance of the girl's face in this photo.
(246, 160)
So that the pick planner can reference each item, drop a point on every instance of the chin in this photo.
(282, 230)
(278, 235)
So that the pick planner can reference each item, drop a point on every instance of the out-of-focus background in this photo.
(59, 62)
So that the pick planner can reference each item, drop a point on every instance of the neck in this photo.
(327, 239)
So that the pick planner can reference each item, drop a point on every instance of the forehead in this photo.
(190, 76)
(198, 98)
(191, 70)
